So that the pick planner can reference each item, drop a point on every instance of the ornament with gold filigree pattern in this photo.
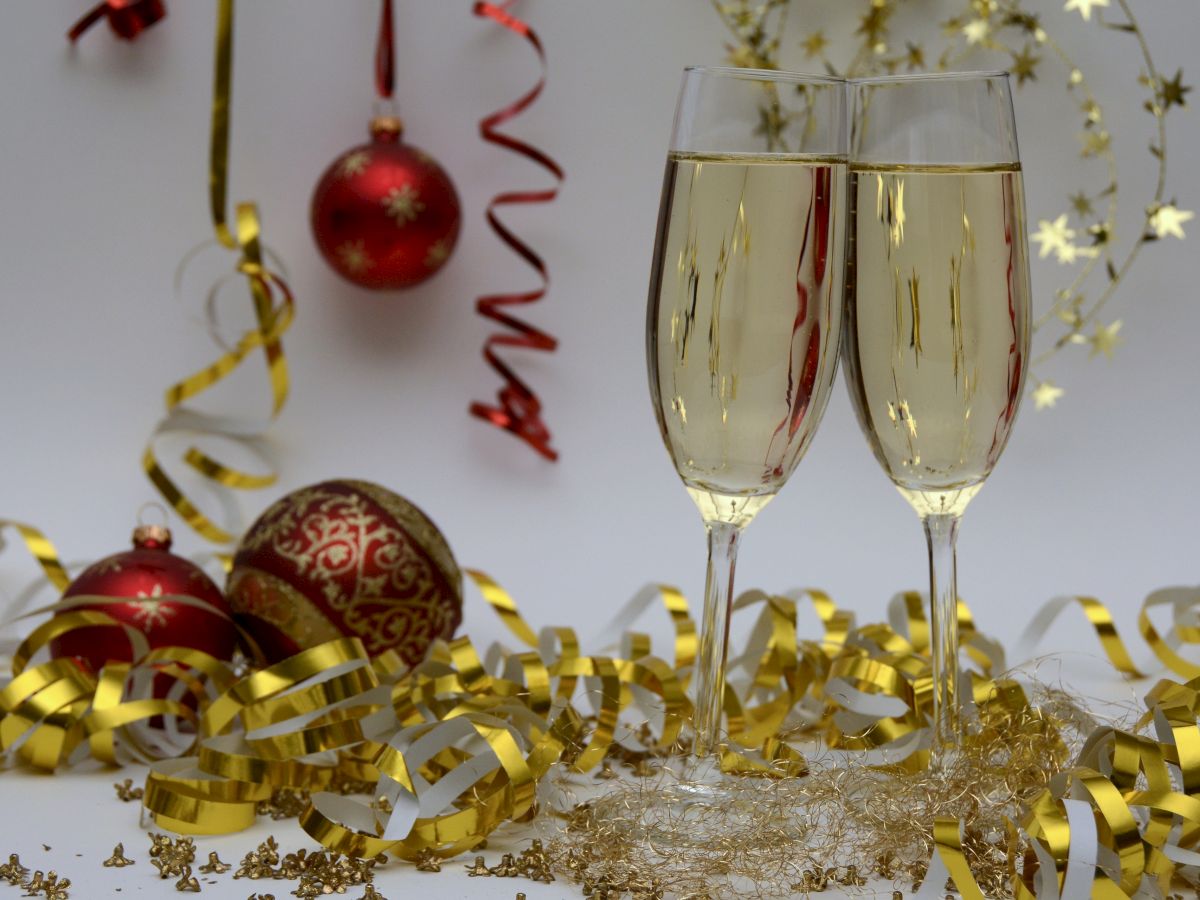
(345, 558)
(385, 215)
(165, 596)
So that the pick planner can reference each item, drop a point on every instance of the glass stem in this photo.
(941, 532)
(714, 635)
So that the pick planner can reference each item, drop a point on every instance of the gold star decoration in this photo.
(1091, 109)
(1172, 93)
(815, 44)
(1168, 219)
(1046, 394)
(1084, 6)
(1082, 204)
(1053, 236)
(874, 23)
(354, 256)
(977, 31)
(915, 58)
(354, 164)
(1105, 339)
(1024, 65)
(403, 204)
(1095, 143)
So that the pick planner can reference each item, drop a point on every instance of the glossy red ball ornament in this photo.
(385, 215)
(146, 579)
(345, 559)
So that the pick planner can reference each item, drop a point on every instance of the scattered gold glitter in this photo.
(12, 871)
(187, 881)
(118, 860)
(839, 826)
(214, 866)
(478, 868)
(427, 861)
(126, 792)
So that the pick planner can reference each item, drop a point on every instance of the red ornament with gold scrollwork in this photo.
(385, 215)
(165, 596)
(345, 559)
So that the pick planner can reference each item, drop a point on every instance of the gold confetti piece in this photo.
(478, 868)
(507, 867)
(214, 866)
(187, 882)
(126, 792)
(427, 861)
(118, 860)
(1167, 220)
(12, 871)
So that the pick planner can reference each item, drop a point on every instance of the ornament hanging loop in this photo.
(385, 53)
(156, 507)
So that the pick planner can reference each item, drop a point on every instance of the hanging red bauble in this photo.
(385, 215)
(165, 596)
(345, 559)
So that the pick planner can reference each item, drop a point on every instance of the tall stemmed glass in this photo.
(937, 321)
(745, 309)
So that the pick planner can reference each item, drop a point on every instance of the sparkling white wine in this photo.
(937, 327)
(744, 320)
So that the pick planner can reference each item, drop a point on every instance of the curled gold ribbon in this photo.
(273, 310)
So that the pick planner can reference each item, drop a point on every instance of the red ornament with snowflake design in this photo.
(385, 215)
(166, 597)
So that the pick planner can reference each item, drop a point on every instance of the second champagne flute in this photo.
(937, 321)
(745, 309)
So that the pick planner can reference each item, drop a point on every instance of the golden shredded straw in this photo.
(841, 825)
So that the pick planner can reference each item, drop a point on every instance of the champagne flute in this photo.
(937, 313)
(745, 309)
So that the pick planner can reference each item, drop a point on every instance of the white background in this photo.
(103, 175)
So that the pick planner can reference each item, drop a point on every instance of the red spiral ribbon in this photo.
(519, 410)
(127, 18)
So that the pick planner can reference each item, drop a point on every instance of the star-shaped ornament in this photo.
(815, 44)
(1082, 204)
(1168, 220)
(1024, 65)
(1084, 7)
(1053, 236)
(977, 31)
(1105, 339)
(1172, 93)
(1046, 394)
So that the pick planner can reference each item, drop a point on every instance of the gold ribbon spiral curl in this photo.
(274, 310)
(452, 749)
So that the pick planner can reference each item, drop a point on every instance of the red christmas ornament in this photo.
(146, 577)
(345, 559)
(385, 215)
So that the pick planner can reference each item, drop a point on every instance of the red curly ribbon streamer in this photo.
(127, 18)
(385, 54)
(519, 410)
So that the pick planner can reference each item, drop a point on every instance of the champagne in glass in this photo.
(937, 328)
(745, 312)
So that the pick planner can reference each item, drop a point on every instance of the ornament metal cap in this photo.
(152, 537)
(387, 128)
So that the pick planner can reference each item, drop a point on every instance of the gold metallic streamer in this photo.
(273, 309)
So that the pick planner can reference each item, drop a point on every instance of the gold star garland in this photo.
(1007, 29)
